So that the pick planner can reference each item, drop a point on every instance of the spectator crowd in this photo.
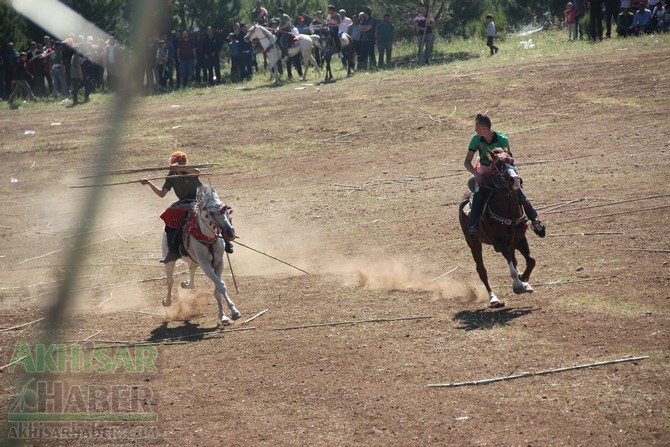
(69, 71)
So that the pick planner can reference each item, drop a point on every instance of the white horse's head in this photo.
(207, 201)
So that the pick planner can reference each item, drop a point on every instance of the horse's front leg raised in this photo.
(190, 284)
(519, 286)
(524, 249)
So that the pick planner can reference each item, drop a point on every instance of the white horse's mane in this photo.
(206, 196)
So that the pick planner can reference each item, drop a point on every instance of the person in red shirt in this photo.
(570, 15)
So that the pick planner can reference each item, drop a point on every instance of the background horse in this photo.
(503, 225)
(347, 52)
(267, 40)
(203, 239)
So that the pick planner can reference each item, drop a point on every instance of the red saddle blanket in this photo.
(174, 215)
(192, 228)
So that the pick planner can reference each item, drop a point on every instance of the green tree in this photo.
(12, 27)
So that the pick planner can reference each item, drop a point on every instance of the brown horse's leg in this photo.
(524, 249)
(476, 249)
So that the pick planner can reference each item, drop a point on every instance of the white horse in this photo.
(267, 40)
(203, 239)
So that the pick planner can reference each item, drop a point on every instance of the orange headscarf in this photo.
(179, 158)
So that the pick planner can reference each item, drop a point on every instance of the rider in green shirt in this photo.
(483, 143)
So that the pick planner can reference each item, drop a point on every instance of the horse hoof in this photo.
(236, 315)
(522, 288)
(224, 322)
(184, 285)
(167, 303)
(495, 303)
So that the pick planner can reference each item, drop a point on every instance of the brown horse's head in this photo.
(503, 172)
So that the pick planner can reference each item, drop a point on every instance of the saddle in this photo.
(177, 213)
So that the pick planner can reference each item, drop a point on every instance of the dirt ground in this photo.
(358, 183)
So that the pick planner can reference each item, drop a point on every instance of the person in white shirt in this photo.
(346, 21)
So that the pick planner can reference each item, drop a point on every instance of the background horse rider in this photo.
(186, 188)
(284, 30)
(333, 20)
(483, 144)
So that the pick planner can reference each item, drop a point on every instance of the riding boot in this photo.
(229, 247)
(475, 211)
(173, 236)
(531, 213)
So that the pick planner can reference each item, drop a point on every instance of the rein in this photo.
(504, 220)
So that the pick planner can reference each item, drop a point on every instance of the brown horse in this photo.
(502, 224)
(347, 52)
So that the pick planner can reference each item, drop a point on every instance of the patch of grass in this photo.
(613, 305)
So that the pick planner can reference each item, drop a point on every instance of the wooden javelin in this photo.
(158, 168)
(136, 181)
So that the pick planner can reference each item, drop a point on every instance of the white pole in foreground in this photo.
(538, 373)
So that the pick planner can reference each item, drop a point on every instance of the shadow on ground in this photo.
(489, 318)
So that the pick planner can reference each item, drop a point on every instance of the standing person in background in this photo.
(385, 31)
(491, 34)
(57, 69)
(246, 54)
(211, 48)
(186, 53)
(371, 31)
(570, 15)
(596, 19)
(21, 77)
(344, 27)
(316, 26)
(423, 25)
(234, 51)
(11, 58)
(611, 14)
(111, 63)
(580, 6)
(161, 64)
(199, 59)
(76, 75)
(365, 22)
(175, 38)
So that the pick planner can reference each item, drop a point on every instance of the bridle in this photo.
(264, 35)
(209, 222)
(499, 173)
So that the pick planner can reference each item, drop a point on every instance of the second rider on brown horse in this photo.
(483, 144)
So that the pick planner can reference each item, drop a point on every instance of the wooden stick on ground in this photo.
(538, 373)
(15, 361)
(600, 216)
(655, 250)
(338, 323)
(340, 136)
(444, 274)
(22, 325)
(255, 316)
